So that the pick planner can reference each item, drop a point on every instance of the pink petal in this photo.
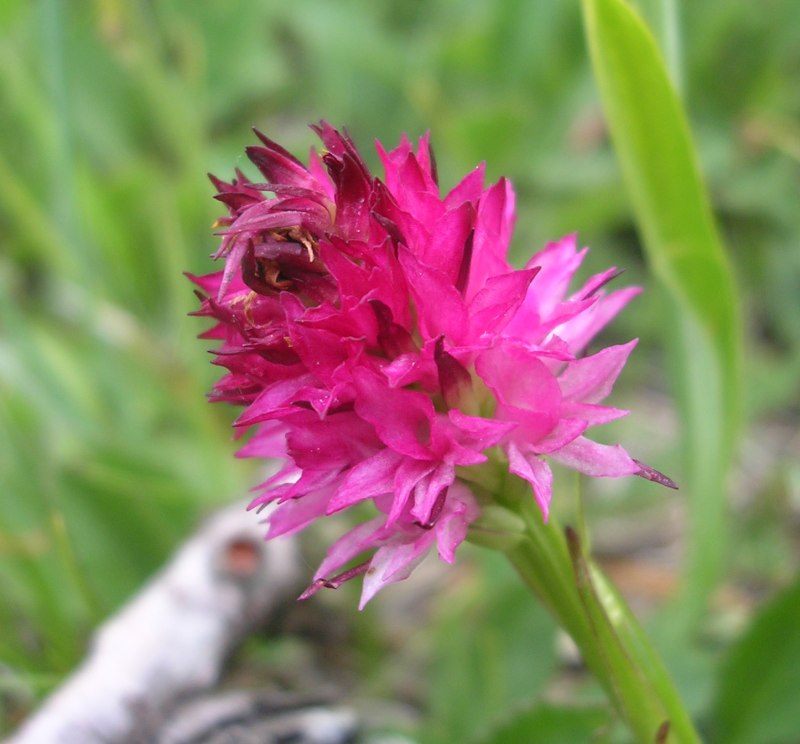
(408, 475)
(591, 415)
(468, 190)
(591, 379)
(580, 330)
(558, 263)
(565, 431)
(428, 490)
(369, 478)
(394, 562)
(493, 227)
(363, 537)
(403, 419)
(536, 471)
(599, 460)
(494, 305)
(526, 391)
(478, 432)
(451, 529)
(445, 246)
(292, 516)
(447, 315)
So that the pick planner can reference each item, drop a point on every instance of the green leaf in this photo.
(659, 165)
(759, 682)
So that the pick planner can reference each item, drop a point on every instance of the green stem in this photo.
(553, 564)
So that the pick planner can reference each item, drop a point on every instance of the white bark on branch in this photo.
(172, 638)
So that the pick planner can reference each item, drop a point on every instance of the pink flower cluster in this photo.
(386, 350)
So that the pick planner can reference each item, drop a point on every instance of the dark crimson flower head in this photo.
(384, 348)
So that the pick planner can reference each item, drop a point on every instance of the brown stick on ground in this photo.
(172, 638)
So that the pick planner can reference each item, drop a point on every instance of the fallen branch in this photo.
(172, 638)
(258, 717)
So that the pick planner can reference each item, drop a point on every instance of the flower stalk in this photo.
(553, 564)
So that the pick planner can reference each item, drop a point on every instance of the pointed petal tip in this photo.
(311, 590)
(611, 275)
(656, 476)
(544, 507)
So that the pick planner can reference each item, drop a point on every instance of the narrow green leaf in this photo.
(759, 682)
(662, 18)
(659, 166)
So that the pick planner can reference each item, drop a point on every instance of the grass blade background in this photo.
(659, 166)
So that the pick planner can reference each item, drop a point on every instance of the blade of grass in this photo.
(659, 166)
(662, 17)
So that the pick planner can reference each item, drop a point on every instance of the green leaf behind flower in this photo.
(660, 169)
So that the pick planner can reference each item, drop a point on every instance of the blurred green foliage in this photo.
(111, 111)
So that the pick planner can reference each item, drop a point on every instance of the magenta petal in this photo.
(599, 460)
(272, 400)
(309, 480)
(468, 190)
(361, 538)
(479, 432)
(334, 443)
(451, 529)
(233, 261)
(565, 431)
(498, 301)
(454, 380)
(591, 415)
(591, 379)
(408, 475)
(493, 227)
(268, 441)
(597, 282)
(425, 157)
(558, 263)
(446, 316)
(445, 247)
(403, 419)
(278, 165)
(408, 369)
(526, 391)
(394, 562)
(428, 490)
(581, 329)
(409, 175)
(371, 477)
(292, 516)
(537, 472)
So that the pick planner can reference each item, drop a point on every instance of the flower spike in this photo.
(383, 347)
